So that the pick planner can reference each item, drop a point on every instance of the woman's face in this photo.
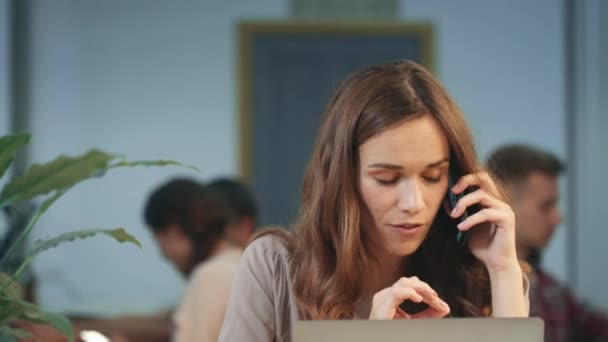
(403, 178)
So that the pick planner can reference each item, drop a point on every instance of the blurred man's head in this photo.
(186, 222)
(238, 207)
(530, 176)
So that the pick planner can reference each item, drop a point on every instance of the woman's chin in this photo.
(406, 248)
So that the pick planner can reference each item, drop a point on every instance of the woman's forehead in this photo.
(417, 141)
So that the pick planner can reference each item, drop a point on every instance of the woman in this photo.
(375, 237)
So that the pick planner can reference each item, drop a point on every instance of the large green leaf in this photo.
(61, 173)
(149, 163)
(10, 288)
(118, 234)
(9, 145)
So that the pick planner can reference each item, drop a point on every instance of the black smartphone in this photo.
(455, 172)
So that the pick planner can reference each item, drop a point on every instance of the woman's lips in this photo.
(407, 228)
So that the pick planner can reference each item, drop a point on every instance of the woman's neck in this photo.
(385, 270)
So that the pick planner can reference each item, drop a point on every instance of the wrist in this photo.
(508, 291)
(506, 271)
(508, 265)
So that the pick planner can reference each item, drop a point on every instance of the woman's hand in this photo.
(492, 240)
(492, 229)
(385, 304)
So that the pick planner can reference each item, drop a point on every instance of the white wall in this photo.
(506, 70)
(156, 79)
(152, 79)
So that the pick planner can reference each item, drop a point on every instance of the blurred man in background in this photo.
(239, 208)
(530, 177)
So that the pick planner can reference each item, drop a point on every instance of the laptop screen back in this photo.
(431, 330)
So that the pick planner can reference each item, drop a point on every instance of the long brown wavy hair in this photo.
(329, 257)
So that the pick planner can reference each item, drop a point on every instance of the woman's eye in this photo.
(387, 182)
(432, 179)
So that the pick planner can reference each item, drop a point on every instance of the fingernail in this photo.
(460, 225)
(454, 211)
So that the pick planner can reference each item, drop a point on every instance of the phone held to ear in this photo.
(455, 172)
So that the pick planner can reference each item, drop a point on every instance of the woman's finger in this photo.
(385, 303)
(400, 314)
(430, 313)
(400, 294)
(414, 282)
(497, 216)
(478, 196)
(429, 296)
(480, 179)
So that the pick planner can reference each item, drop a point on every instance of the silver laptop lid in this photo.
(431, 330)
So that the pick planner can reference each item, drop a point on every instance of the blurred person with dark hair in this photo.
(189, 224)
(239, 208)
(530, 176)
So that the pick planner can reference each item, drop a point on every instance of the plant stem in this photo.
(43, 207)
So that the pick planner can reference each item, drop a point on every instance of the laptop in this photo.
(431, 330)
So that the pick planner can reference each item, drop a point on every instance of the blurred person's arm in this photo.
(200, 314)
(586, 324)
(566, 318)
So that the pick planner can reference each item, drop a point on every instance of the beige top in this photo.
(261, 307)
(201, 311)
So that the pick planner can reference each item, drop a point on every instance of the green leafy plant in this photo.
(52, 180)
